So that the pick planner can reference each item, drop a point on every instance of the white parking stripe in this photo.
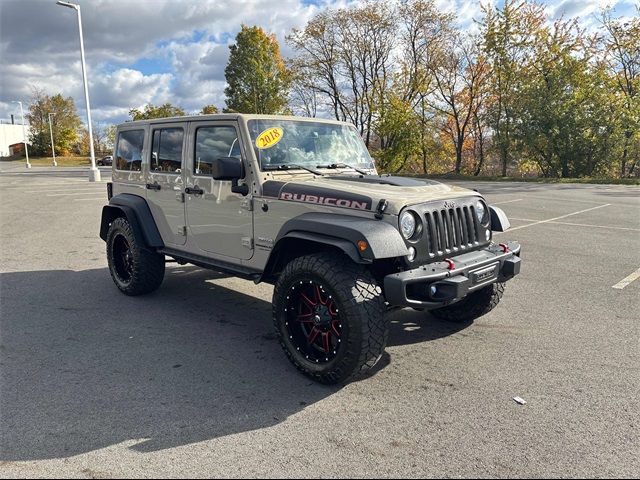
(627, 280)
(555, 218)
(506, 201)
(580, 224)
(564, 200)
(102, 198)
(82, 189)
(71, 194)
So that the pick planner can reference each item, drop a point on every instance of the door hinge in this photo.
(247, 204)
(182, 231)
(180, 197)
(247, 242)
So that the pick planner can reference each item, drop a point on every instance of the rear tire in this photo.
(134, 269)
(473, 306)
(329, 315)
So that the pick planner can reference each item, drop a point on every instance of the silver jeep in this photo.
(298, 203)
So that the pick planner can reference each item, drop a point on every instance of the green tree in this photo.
(151, 111)
(621, 44)
(209, 110)
(565, 110)
(400, 126)
(509, 33)
(65, 123)
(257, 79)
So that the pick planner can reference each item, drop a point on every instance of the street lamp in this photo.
(53, 148)
(94, 173)
(24, 133)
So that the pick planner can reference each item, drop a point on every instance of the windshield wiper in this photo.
(292, 166)
(344, 165)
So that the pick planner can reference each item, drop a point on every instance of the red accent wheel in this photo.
(313, 322)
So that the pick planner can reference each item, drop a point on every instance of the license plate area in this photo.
(484, 274)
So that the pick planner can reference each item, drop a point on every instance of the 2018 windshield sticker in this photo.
(269, 137)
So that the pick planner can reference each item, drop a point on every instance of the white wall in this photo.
(10, 134)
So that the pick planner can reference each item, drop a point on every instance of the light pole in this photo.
(53, 148)
(24, 134)
(94, 173)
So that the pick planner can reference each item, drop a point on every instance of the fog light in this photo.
(487, 235)
(433, 290)
(412, 254)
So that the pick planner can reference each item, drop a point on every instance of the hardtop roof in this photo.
(228, 116)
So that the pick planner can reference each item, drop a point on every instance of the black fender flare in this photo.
(137, 212)
(345, 231)
(499, 220)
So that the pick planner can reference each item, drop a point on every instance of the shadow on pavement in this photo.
(83, 367)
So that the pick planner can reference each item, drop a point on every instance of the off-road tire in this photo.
(473, 306)
(145, 270)
(361, 307)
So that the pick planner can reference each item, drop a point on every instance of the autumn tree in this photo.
(423, 33)
(459, 77)
(65, 123)
(345, 55)
(209, 110)
(257, 79)
(151, 111)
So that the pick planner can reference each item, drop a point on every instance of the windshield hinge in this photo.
(247, 204)
(247, 242)
(382, 206)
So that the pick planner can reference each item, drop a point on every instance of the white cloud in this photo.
(115, 93)
(189, 39)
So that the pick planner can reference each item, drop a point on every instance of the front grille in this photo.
(450, 230)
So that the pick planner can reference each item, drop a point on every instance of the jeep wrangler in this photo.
(297, 203)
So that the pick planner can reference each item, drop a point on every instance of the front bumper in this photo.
(436, 285)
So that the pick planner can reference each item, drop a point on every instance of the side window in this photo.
(129, 151)
(166, 150)
(212, 143)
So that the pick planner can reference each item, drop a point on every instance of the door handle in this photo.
(193, 190)
(153, 186)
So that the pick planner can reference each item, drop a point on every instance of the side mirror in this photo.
(230, 168)
(227, 168)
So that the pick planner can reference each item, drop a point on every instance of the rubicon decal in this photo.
(317, 195)
(338, 202)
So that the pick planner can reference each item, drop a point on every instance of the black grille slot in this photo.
(450, 230)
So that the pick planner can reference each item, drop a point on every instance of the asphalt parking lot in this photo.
(190, 382)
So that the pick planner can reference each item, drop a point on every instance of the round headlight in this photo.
(407, 224)
(481, 212)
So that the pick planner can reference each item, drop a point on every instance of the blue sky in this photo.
(156, 51)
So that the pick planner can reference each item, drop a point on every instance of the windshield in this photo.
(280, 143)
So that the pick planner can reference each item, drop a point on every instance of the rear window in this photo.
(129, 151)
(166, 152)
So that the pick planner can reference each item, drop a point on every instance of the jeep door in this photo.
(165, 181)
(220, 221)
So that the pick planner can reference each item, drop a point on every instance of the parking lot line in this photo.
(627, 280)
(65, 190)
(579, 224)
(103, 197)
(539, 222)
(563, 200)
(507, 201)
(70, 194)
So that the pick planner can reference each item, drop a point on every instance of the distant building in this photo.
(9, 136)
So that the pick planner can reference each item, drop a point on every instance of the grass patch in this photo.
(75, 161)
(591, 180)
